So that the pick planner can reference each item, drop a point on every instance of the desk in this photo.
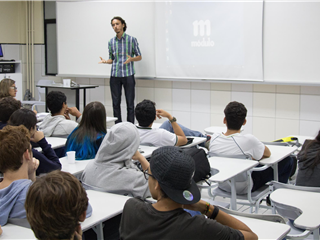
(196, 141)
(76, 168)
(146, 151)
(307, 202)
(111, 119)
(105, 206)
(216, 129)
(11, 231)
(77, 89)
(228, 168)
(55, 143)
(265, 229)
(278, 153)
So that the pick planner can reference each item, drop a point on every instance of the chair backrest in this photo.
(42, 90)
(286, 210)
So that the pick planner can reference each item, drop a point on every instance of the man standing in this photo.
(122, 49)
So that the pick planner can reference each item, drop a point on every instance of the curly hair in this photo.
(5, 85)
(122, 21)
(55, 100)
(235, 114)
(14, 141)
(54, 204)
(145, 112)
(7, 106)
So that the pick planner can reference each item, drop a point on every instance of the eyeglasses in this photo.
(146, 174)
(14, 88)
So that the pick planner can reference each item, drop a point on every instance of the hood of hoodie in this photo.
(49, 123)
(119, 145)
(9, 198)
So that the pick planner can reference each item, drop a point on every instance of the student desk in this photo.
(228, 168)
(196, 141)
(55, 142)
(265, 229)
(278, 153)
(111, 119)
(11, 231)
(215, 129)
(307, 202)
(76, 168)
(105, 206)
(146, 151)
(76, 88)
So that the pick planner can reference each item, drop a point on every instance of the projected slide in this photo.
(213, 40)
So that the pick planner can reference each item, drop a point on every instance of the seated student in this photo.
(170, 132)
(58, 123)
(56, 204)
(8, 88)
(170, 182)
(18, 167)
(113, 170)
(7, 106)
(48, 158)
(309, 163)
(87, 137)
(234, 143)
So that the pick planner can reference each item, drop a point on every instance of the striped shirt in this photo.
(118, 51)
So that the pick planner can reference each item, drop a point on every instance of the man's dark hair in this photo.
(7, 106)
(55, 100)
(145, 113)
(235, 114)
(23, 117)
(122, 21)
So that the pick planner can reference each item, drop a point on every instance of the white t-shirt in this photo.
(157, 137)
(230, 145)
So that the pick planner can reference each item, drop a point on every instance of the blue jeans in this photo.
(128, 84)
(188, 132)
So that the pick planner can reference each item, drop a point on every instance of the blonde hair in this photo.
(5, 85)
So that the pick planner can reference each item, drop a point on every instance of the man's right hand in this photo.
(161, 113)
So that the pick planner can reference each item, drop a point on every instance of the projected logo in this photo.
(202, 29)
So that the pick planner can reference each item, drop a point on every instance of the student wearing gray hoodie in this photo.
(112, 170)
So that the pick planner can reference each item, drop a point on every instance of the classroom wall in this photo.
(274, 111)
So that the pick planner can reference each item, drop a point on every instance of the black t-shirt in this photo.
(141, 221)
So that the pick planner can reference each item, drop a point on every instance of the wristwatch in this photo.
(173, 120)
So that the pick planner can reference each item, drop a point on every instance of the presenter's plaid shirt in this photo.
(118, 51)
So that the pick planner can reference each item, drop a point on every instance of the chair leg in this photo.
(316, 234)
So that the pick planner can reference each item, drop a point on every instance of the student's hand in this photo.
(38, 135)
(137, 155)
(35, 111)
(74, 112)
(128, 60)
(33, 166)
(66, 114)
(161, 113)
(0, 230)
(78, 233)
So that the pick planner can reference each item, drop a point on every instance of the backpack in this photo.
(201, 163)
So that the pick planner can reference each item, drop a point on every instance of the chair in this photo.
(254, 198)
(40, 91)
(291, 212)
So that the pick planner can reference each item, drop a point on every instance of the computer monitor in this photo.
(1, 52)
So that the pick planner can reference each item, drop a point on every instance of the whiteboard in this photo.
(84, 29)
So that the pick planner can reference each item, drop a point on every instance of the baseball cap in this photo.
(174, 170)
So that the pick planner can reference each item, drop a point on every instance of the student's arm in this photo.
(33, 166)
(143, 161)
(74, 111)
(266, 152)
(224, 219)
(182, 140)
(48, 158)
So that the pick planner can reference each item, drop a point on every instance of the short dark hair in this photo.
(54, 204)
(7, 106)
(145, 112)
(235, 114)
(23, 117)
(55, 100)
(14, 141)
(122, 21)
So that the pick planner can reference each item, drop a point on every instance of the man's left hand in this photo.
(128, 60)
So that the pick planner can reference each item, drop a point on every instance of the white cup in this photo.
(71, 157)
(66, 82)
